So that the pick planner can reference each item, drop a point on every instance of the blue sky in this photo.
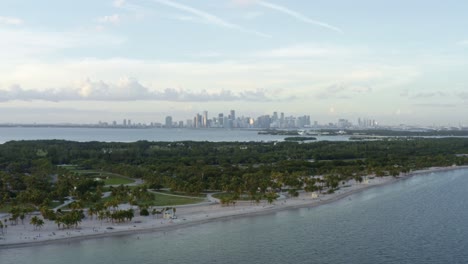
(84, 61)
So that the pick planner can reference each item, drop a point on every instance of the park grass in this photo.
(116, 180)
(109, 178)
(165, 200)
(200, 195)
(158, 200)
(5, 208)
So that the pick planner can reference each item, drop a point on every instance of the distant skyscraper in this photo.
(221, 119)
(129, 122)
(205, 119)
(125, 122)
(233, 114)
(282, 124)
(168, 121)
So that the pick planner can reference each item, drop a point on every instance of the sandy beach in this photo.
(24, 235)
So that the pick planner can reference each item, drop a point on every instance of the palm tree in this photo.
(91, 212)
(40, 223)
(36, 222)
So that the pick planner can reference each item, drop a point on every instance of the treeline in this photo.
(29, 171)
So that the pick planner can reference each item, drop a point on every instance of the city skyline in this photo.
(67, 61)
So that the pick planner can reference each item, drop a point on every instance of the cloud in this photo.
(343, 91)
(26, 43)
(112, 19)
(244, 3)
(118, 3)
(463, 95)
(463, 42)
(424, 95)
(209, 18)
(252, 15)
(208, 54)
(10, 21)
(436, 105)
(298, 51)
(129, 89)
(297, 15)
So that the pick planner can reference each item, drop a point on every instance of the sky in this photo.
(399, 62)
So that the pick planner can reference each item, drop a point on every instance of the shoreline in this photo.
(23, 236)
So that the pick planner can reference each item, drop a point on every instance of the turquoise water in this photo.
(423, 219)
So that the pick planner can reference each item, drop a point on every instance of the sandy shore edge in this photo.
(188, 216)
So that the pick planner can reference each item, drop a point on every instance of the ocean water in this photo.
(132, 135)
(422, 219)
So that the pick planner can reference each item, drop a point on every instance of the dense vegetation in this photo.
(29, 174)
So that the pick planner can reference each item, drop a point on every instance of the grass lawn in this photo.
(201, 195)
(109, 178)
(5, 208)
(164, 200)
(116, 180)
(159, 200)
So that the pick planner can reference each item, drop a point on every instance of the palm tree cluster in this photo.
(36, 222)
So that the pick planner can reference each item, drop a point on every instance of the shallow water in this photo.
(418, 220)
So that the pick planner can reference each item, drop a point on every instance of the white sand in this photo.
(25, 235)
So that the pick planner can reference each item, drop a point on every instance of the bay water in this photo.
(133, 135)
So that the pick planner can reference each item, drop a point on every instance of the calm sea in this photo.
(132, 135)
(419, 220)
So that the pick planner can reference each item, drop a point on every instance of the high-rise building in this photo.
(233, 115)
(221, 119)
(125, 122)
(205, 119)
(275, 116)
(281, 123)
(198, 121)
(168, 123)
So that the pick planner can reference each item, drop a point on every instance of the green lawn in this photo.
(109, 178)
(5, 208)
(116, 180)
(163, 200)
(159, 200)
(201, 195)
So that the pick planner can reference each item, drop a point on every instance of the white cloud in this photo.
(343, 91)
(129, 89)
(209, 18)
(10, 21)
(299, 52)
(463, 42)
(243, 3)
(298, 15)
(21, 44)
(118, 3)
(208, 54)
(252, 15)
(112, 19)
